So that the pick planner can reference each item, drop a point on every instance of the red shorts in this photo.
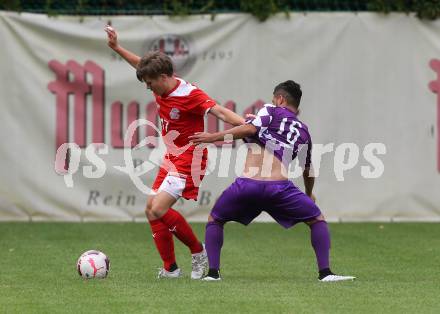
(189, 166)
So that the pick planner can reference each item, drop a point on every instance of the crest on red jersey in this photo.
(174, 114)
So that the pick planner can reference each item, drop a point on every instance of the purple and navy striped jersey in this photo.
(280, 132)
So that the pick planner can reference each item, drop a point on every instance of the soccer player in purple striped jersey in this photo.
(264, 185)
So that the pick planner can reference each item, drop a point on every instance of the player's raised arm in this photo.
(237, 132)
(226, 115)
(112, 42)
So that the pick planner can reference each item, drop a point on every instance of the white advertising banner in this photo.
(370, 85)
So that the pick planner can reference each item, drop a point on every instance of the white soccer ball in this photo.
(93, 264)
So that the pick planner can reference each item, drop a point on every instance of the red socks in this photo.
(163, 239)
(164, 228)
(182, 230)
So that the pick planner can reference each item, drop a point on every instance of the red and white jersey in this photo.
(183, 110)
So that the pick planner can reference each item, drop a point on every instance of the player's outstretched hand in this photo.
(112, 37)
(201, 137)
(250, 116)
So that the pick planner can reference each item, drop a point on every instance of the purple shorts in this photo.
(246, 198)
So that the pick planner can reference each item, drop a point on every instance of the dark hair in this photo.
(289, 90)
(154, 64)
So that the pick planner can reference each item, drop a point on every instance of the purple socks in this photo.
(320, 238)
(214, 243)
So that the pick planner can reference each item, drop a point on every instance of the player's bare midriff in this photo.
(262, 165)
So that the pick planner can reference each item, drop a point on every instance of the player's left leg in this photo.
(290, 206)
(320, 239)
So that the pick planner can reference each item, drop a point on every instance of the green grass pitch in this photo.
(265, 268)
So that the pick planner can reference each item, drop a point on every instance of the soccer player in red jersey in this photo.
(182, 107)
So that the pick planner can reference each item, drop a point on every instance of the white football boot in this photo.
(163, 273)
(333, 278)
(199, 263)
(209, 278)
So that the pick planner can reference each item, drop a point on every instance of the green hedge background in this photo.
(261, 9)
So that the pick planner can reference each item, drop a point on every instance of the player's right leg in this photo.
(163, 239)
(239, 202)
(177, 225)
(169, 189)
(214, 243)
